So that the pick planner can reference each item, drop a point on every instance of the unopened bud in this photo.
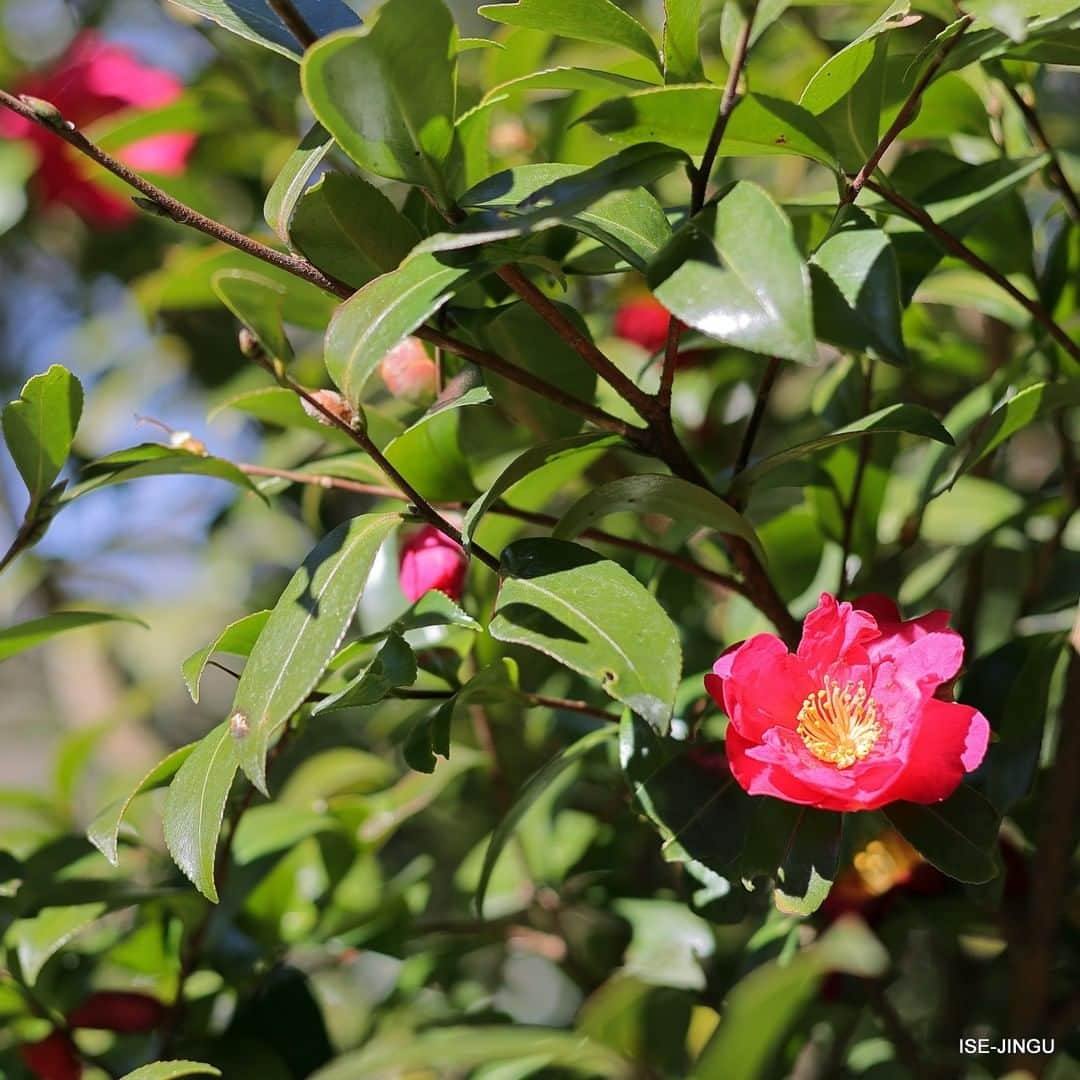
(152, 207)
(184, 440)
(46, 112)
(331, 402)
(408, 371)
(249, 344)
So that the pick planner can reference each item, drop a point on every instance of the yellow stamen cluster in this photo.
(839, 724)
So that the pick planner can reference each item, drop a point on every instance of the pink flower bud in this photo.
(430, 560)
(408, 371)
(644, 321)
(333, 403)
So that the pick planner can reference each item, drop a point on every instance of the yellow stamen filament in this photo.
(839, 724)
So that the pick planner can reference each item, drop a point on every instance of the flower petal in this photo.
(835, 631)
(764, 686)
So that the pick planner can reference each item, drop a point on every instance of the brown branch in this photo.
(852, 508)
(961, 251)
(544, 701)
(754, 423)
(724, 581)
(904, 117)
(1038, 133)
(295, 22)
(1034, 954)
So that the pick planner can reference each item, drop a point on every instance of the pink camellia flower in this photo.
(430, 560)
(94, 79)
(644, 321)
(850, 721)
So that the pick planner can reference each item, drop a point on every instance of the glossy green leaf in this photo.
(524, 338)
(534, 458)
(733, 19)
(256, 20)
(593, 617)
(598, 21)
(195, 807)
(266, 830)
(351, 230)
(682, 45)
(280, 407)
(257, 302)
(432, 609)
(856, 286)
(171, 1070)
(734, 273)
(683, 117)
(394, 666)
(383, 313)
(845, 93)
(683, 502)
(668, 945)
(566, 78)
(36, 940)
(104, 831)
(39, 427)
(27, 635)
(913, 419)
(959, 836)
(764, 1004)
(238, 638)
(292, 181)
(386, 92)
(532, 789)
(302, 634)
(429, 453)
(153, 459)
(470, 1046)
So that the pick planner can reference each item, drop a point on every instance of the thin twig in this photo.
(754, 423)
(538, 700)
(852, 508)
(905, 116)
(724, 581)
(965, 254)
(296, 23)
(1038, 133)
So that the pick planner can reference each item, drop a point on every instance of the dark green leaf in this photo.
(238, 638)
(289, 184)
(394, 666)
(22, 636)
(386, 93)
(734, 273)
(351, 230)
(301, 636)
(959, 836)
(37, 939)
(172, 1070)
(257, 302)
(593, 617)
(39, 427)
(266, 830)
(682, 47)
(598, 21)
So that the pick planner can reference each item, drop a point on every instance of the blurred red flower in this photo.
(118, 1010)
(53, 1058)
(430, 560)
(644, 321)
(94, 79)
(850, 721)
(409, 372)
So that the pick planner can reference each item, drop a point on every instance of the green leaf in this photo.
(104, 831)
(429, 453)
(1031, 404)
(265, 830)
(856, 287)
(36, 940)
(523, 337)
(735, 273)
(432, 609)
(351, 230)
(959, 836)
(393, 666)
(733, 19)
(385, 312)
(846, 91)
(682, 45)
(281, 407)
(764, 1004)
(256, 21)
(238, 638)
(913, 419)
(291, 182)
(671, 496)
(39, 427)
(564, 78)
(668, 945)
(472, 1045)
(195, 807)
(386, 92)
(26, 635)
(301, 636)
(153, 459)
(683, 117)
(598, 21)
(171, 1070)
(593, 617)
(532, 789)
(534, 458)
(257, 302)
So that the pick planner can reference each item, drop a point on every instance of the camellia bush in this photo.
(619, 616)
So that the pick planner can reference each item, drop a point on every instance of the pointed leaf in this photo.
(301, 636)
(734, 273)
(171, 1070)
(682, 45)
(238, 638)
(393, 666)
(26, 635)
(36, 940)
(257, 302)
(593, 617)
(289, 184)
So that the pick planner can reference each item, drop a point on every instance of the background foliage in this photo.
(494, 835)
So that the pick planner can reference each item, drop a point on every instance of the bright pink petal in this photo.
(164, 154)
(834, 631)
(766, 686)
(430, 560)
